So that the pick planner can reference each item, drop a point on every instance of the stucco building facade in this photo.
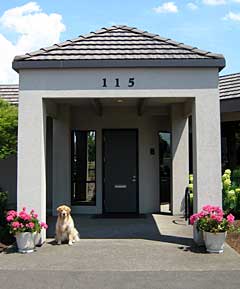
(103, 124)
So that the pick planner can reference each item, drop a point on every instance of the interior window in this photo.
(83, 168)
(230, 133)
(165, 161)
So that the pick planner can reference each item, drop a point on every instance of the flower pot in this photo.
(26, 242)
(38, 239)
(214, 242)
(198, 235)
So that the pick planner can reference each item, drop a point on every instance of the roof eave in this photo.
(118, 63)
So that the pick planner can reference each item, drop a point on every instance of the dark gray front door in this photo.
(120, 171)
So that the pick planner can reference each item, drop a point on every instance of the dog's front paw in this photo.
(59, 242)
(70, 243)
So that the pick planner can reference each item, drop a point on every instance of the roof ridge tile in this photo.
(200, 51)
(215, 55)
(50, 47)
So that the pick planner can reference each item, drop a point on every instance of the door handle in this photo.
(134, 178)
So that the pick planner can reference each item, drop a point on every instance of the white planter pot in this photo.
(26, 242)
(214, 242)
(38, 239)
(198, 235)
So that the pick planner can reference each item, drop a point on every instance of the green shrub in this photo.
(8, 129)
(230, 190)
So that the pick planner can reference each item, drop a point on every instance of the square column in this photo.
(180, 157)
(61, 158)
(206, 151)
(31, 183)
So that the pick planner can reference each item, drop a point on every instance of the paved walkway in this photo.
(152, 253)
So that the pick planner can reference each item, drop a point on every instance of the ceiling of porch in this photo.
(159, 106)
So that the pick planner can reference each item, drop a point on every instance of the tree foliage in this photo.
(8, 129)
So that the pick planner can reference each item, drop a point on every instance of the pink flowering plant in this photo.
(20, 222)
(212, 219)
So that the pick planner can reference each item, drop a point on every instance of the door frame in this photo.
(103, 167)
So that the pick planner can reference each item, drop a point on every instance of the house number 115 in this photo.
(131, 82)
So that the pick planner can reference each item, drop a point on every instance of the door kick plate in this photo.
(120, 186)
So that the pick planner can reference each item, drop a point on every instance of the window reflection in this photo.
(83, 167)
(165, 161)
(230, 145)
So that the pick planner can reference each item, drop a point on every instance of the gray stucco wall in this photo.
(89, 80)
(180, 157)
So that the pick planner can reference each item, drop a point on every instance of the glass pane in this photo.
(165, 161)
(91, 192)
(83, 167)
(91, 156)
(230, 145)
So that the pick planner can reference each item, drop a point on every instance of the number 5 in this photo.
(131, 82)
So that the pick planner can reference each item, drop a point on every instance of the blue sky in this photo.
(212, 25)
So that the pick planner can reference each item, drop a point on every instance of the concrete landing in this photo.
(155, 249)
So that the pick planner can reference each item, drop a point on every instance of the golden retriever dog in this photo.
(65, 230)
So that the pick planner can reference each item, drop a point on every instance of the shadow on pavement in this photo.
(120, 228)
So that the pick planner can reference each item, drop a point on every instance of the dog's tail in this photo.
(77, 236)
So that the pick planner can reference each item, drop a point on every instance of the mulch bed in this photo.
(233, 239)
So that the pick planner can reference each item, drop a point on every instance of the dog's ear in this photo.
(59, 209)
(68, 209)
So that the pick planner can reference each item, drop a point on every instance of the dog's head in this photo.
(63, 211)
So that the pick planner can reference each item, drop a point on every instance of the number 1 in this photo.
(104, 82)
(117, 82)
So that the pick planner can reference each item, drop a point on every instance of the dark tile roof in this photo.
(229, 86)
(118, 43)
(9, 92)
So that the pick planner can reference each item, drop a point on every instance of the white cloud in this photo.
(232, 16)
(34, 29)
(214, 2)
(167, 7)
(7, 52)
(192, 6)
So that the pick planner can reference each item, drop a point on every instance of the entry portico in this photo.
(98, 114)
